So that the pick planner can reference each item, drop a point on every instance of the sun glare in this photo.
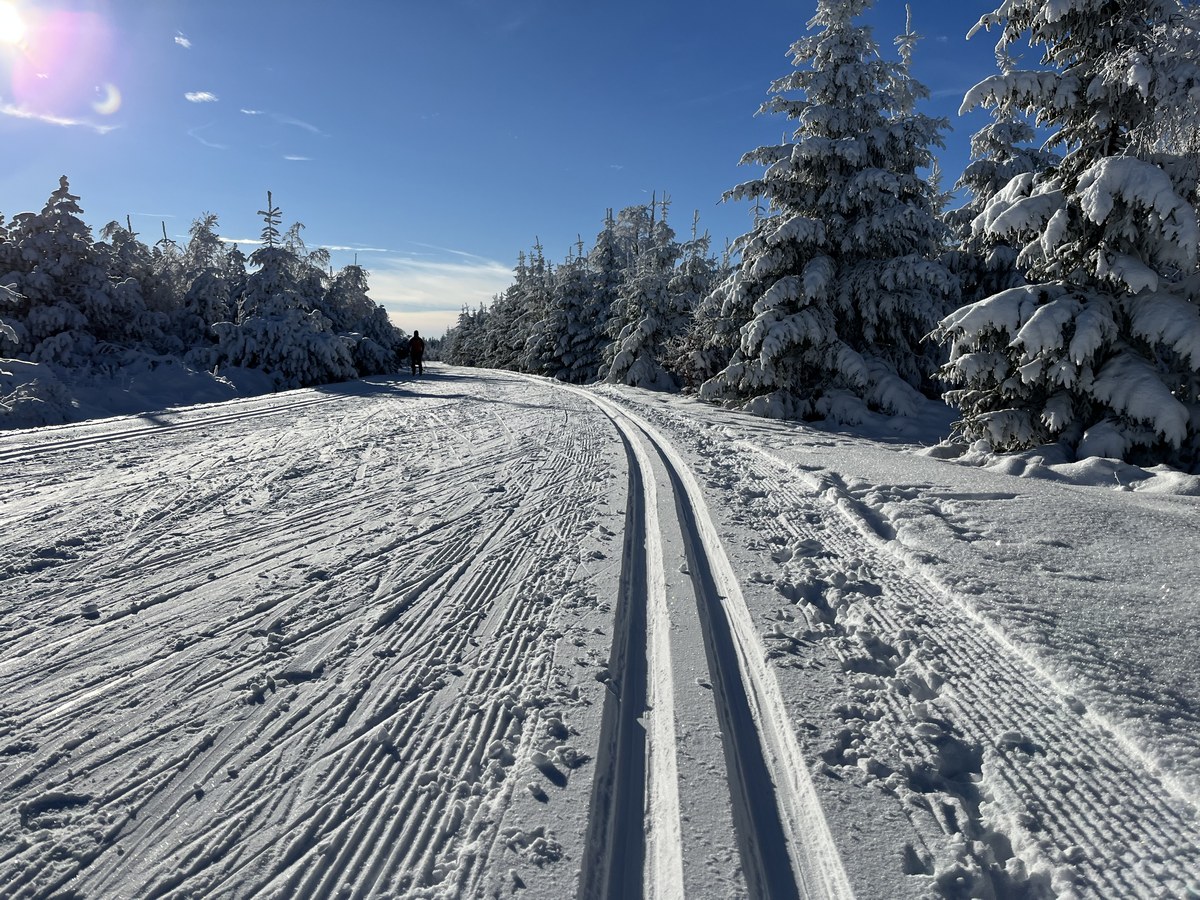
(12, 26)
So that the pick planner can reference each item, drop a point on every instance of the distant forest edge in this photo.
(1057, 305)
(82, 308)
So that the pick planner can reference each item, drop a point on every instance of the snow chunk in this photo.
(1055, 90)
(1005, 311)
(1140, 184)
(1169, 320)
(1130, 386)
(1095, 327)
(1029, 214)
(1044, 330)
(1104, 440)
(1135, 274)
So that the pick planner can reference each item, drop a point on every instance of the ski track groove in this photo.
(761, 753)
(1033, 749)
(41, 449)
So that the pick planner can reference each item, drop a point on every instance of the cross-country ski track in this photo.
(481, 635)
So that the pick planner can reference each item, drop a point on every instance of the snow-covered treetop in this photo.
(1108, 64)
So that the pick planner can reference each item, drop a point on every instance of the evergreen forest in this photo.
(1051, 297)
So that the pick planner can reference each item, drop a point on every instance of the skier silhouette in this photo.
(416, 353)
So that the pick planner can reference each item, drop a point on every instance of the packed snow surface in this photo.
(483, 635)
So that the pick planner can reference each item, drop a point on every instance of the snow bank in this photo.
(35, 394)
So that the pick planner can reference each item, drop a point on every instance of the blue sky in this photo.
(434, 139)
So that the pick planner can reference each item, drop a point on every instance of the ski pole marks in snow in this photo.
(317, 650)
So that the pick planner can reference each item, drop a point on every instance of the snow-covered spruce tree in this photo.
(236, 273)
(694, 279)
(1000, 151)
(584, 312)
(539, 321)
(279, 329)
(645, 318)
(207, 292)
(714, 333)
(507, 324)
(464, 344)
(630, 235)
(1101, 349)
(70, 311)
(164, 283)
(495, 347)
(146, 286)
(375, 342)
(549, 349)
(607, 260)
(840, 283)
(312, 272)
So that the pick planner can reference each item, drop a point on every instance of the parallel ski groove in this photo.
(763, 756)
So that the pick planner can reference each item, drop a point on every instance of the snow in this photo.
(479, 634)
(1137, 183)
(34, 394)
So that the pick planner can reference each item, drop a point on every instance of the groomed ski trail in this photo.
(480, 635)
(786, 848)
(1012, 786)
(304, 648)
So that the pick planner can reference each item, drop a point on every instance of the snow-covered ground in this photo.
(482, 635)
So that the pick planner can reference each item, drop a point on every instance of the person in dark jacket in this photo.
(416, 353)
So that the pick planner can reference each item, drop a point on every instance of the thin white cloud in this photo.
(949, 92)
(515, 24)
(333, 248)
(17, 112)
(200, 97)
(281, 119)
(194, 133)
(182, 41)
(298, 158)
(297, 123)
(460, 253)
(330, 247)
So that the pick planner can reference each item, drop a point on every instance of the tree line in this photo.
(87, 305)
(1057, 304)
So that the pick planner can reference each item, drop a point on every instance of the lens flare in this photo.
(109, 100)
(62, 57)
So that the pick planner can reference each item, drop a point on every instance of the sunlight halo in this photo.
(12, 26)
